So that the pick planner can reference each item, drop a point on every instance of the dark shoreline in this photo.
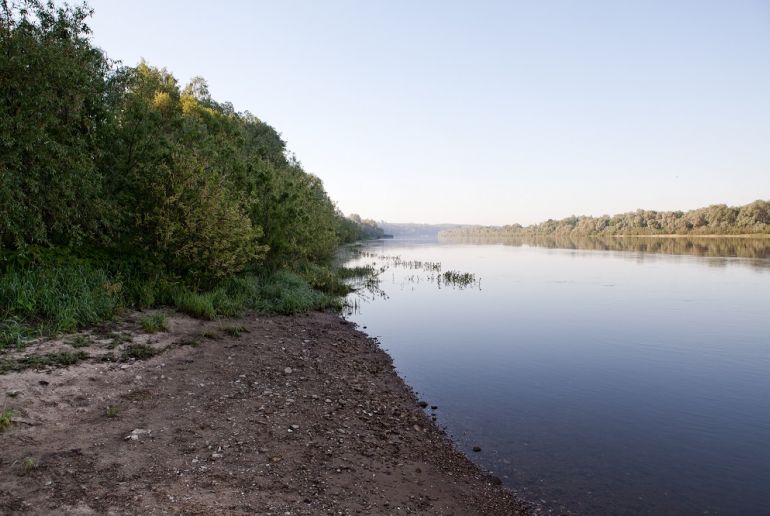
(301, 414)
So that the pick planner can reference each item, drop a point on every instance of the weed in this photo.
(28, 464)
(6, 419)
(118, 339)
(155, 323)
(80, 341)
(60, 359)
(235, 331)
(139, 352)
(112, 411)
(138, 395)
(210, 334)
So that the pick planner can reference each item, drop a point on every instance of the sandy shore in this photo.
(267, 415)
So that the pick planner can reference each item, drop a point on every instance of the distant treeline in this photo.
(753, 218)
(119, 187)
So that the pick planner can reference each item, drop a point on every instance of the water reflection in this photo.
(718, 247)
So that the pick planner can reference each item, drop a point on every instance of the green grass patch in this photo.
(118, 339)
(60, 359)
(155, 323)
(235, 331)
(54, 299)
(357, 272)
(139, 352)
(80, 341)
(6, 419)
(28, 465)
(324, 279)
(197, 305)
(65, 295)
(288, 293)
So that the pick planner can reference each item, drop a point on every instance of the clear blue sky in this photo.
(485, 112)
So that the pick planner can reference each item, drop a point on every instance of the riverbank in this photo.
(272, 415)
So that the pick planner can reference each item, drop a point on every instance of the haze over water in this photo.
(597, 381)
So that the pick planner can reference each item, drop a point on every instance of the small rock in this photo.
(288, 370)
(295, 427)
(477, 449)
(136, 434)
(423, 404)
(434, 407)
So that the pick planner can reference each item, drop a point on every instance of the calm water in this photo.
(598, 381)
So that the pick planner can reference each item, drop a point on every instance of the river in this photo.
(609, 379)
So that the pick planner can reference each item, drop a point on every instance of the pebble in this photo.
(477, 449)
(288, 370)
(136, 434)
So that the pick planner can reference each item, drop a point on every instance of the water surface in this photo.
(599, 381)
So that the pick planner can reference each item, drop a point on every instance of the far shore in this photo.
(742, 235)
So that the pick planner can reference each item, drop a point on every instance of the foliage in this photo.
(124, 160)
(120, 188)
(353, 228)
(719, 219)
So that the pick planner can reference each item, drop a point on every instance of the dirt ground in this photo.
(260, 415)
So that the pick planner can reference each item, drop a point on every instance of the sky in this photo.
(484, 112)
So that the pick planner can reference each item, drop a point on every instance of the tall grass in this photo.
(58, 299)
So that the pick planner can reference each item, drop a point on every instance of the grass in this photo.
(139, 352)
(288, 293)
(54, 299)
(28, 464)
(118, 339)
(155, 323)
(235, 331)
(80, 341)
(112, 411)
(362, 271)
(282, 292)
(6, 419)
(62, 297)
(59, 359)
